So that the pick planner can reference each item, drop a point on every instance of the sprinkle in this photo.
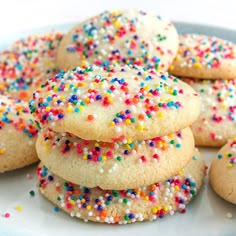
(32, 193)
(7, 215)
(55, 209)
(19, 208)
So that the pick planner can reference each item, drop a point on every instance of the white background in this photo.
(18, 15)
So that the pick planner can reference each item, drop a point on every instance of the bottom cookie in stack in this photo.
(124, 206)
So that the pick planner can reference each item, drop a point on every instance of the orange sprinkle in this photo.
(90, 117)
(140, 116)
(23, 94)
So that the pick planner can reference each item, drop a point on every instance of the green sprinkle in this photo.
(119, 158)
(115, 193)
(132, 120)
(125, 200)
(219, 156)
(32, 193)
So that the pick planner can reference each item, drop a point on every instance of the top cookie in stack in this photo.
(115, 103)
(208, 64)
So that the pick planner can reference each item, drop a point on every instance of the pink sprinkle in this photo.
(7, 215)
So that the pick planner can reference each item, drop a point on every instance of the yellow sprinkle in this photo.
(177, 188)
(69, 109)
(171, 68)
(85, 157)
(19, 208)
(62, 98)
(160, 114)
(104, 158)
(47, 108)
(146, 198)
(154, 210)
(55, 88)
(72, 202)
(197, 65)
(89, 207)
(127, 121)
(140, 127)
(129, 140)
(229, 165)
(96, 145)
(112, 123)
(117, 24)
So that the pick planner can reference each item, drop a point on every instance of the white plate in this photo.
(206, 215)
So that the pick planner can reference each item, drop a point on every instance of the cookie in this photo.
(129, 37)
(217, 121)
(201, 56)
(125, 206)
(27, 64)
(115, 104)
(223, 172)
(115, 165)
(18, 133)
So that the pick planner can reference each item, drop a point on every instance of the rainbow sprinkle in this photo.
(16, 113)
(218, 108)
(203, 51)
(118, 37)
(134, 96)
(95, 204)
(28, 63)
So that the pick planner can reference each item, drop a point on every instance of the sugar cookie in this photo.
(223, 172)
(201, 56)
(129, 37)
(27, 64)
(115, 104)
(217, 121)
(18, 134)
(125, 206)
(115, 165)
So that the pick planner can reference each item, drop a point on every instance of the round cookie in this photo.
(217, 120)
(129, 37)
(115, 104)
(201, 56)
(125, 206)
(223, 172)
(18, 134)
(115, 165)
(27, 64)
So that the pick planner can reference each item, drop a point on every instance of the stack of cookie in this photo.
(208, 64)
(115, 145)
